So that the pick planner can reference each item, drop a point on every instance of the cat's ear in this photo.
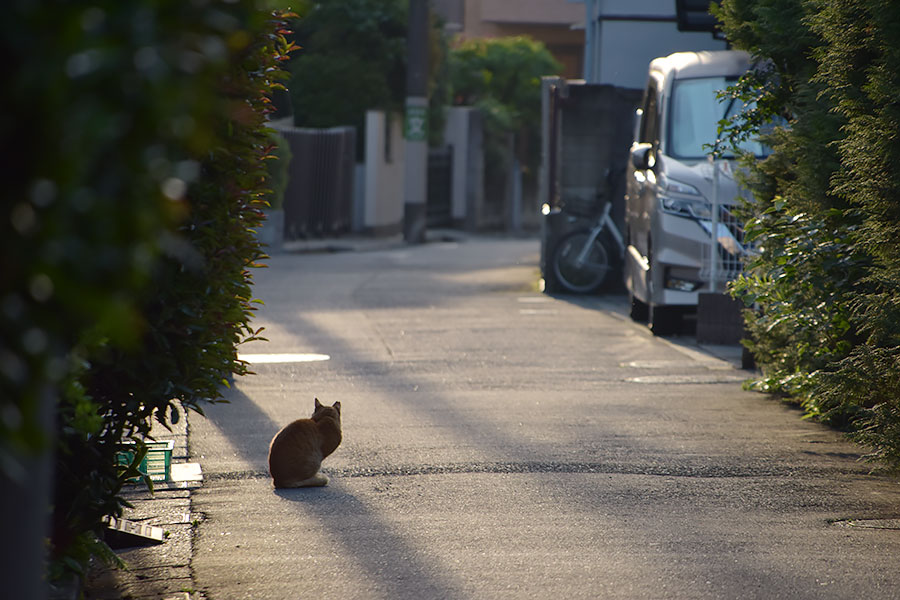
(337, 406)
(318, 404)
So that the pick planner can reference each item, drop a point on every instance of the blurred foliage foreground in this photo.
(135, 177)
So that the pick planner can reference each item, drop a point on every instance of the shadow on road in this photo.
(394, 563)
(393, 566)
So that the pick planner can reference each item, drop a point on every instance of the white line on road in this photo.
(537, 311)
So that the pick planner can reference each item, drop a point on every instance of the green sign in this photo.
(415, 126)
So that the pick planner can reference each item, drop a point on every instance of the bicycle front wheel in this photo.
(581, 276)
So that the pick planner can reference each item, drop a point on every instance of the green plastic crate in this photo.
(157, 464)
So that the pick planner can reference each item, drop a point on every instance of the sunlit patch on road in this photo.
(681, 379)
(892, 524)
(655, 364)
(282, 358)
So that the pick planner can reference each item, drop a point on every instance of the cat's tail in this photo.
(317, 480)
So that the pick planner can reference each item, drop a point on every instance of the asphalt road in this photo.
(501, 443)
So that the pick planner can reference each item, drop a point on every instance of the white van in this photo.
(671, 187)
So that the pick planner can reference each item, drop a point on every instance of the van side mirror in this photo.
(642, 157)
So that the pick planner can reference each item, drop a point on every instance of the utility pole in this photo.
(415, 129)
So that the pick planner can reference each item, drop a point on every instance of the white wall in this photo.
(627, 35)
(456, 134)
(626, 49)
(463, 131)
(383, 196)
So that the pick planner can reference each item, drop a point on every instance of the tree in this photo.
(352, 59)
(502, 78)
(825, 283)
(859, 64)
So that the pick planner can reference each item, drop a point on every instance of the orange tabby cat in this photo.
(296, 452)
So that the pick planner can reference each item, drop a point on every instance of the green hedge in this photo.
(137, 179)
(826, 285)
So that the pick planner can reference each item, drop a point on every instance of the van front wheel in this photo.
(639, 312)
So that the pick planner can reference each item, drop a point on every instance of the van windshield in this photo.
(695, 116)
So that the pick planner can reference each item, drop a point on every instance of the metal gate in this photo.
(319, 196)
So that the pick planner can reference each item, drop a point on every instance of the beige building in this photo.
(559, 24)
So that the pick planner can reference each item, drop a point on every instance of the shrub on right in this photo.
(825, 287)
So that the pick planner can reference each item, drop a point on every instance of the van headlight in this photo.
(669, 185)
(697, 208)
(682, 199)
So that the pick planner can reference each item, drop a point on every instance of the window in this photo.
(695, 115)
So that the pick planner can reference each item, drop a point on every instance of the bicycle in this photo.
(584, 258)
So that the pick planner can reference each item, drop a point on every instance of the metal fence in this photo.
(727, 247)
(318, 200)
(722, 258)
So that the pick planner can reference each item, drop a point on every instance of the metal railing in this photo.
(722, 259)
(319, 196)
